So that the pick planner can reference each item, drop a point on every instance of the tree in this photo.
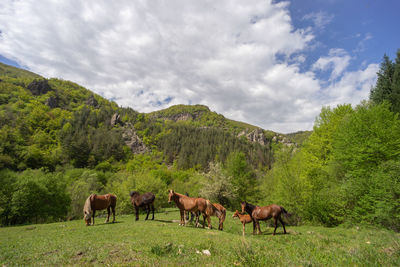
(387, 87)
(218, 186)
(243, 176)
(363, 142)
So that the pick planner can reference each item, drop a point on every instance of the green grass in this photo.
(164, 242)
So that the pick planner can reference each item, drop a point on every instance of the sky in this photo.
(273, 64)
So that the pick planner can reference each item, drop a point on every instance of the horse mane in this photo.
(88, 207)
(249, 207)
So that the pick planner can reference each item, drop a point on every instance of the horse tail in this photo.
(113, 200)
(285, 213)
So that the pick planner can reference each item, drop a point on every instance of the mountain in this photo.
(52, 122)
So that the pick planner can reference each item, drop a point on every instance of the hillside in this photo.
(47, 120)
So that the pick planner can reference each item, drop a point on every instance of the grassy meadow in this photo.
(164, 242)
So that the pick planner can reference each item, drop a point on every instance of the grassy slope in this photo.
(10, 71)
(163, 242)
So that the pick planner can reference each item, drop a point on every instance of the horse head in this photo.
(244, 205)
(87, 211)
(88, 218)
(170, 195)
(236, 214)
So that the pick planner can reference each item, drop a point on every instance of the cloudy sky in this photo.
(273, 64)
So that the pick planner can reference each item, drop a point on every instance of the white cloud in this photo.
(320, 19)
(152, 54)
(337, 60)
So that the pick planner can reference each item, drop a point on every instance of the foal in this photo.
(244, 218)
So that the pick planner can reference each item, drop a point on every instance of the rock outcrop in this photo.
(256, 136)
(132, 140)
(116, 119)
(91, 101)
(39, 87)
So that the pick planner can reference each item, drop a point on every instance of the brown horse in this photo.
(221, 218)
(196, 205)
(99, 202)
(244, 218)
(264, 213)
(146, 200)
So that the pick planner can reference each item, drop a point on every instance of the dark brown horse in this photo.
(196, 205)
(146, 200)
(264, 213)
(99, 202)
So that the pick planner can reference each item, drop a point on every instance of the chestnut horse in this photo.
(196, 205)
(146, 200)
(244, 218)
(221, 218)
(264, 213)
(99, 202)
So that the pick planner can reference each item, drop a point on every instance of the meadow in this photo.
(163, 242)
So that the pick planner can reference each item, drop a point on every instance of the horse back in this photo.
(266, 212)
(100, 202)
(148, 198)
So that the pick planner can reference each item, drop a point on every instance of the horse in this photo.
(264, 213)
(244, 218)
(146, 200)
(221, 218)
(99, 202)
(192, 214)
(196, 205)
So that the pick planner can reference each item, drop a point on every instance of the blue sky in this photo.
(273, 64)
(365, 28)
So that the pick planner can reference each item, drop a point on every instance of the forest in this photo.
(60, 142)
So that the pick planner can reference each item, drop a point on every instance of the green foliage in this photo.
(33, 196)
(345, 171)
(243, 176)
(387, 87)
(218, 187)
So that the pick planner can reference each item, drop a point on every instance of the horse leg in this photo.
(283, 225)
(209, 222)
(137, 213)
(148, 211)
(254, 226)
(108, 214)
(152, 209)
(204, 220)
(258, 228)
(94, 212)
(113, 211)
(197, 219)
(276, 225)
(182, 217)
(186, 216)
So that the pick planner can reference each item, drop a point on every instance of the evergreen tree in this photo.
(387, 87)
